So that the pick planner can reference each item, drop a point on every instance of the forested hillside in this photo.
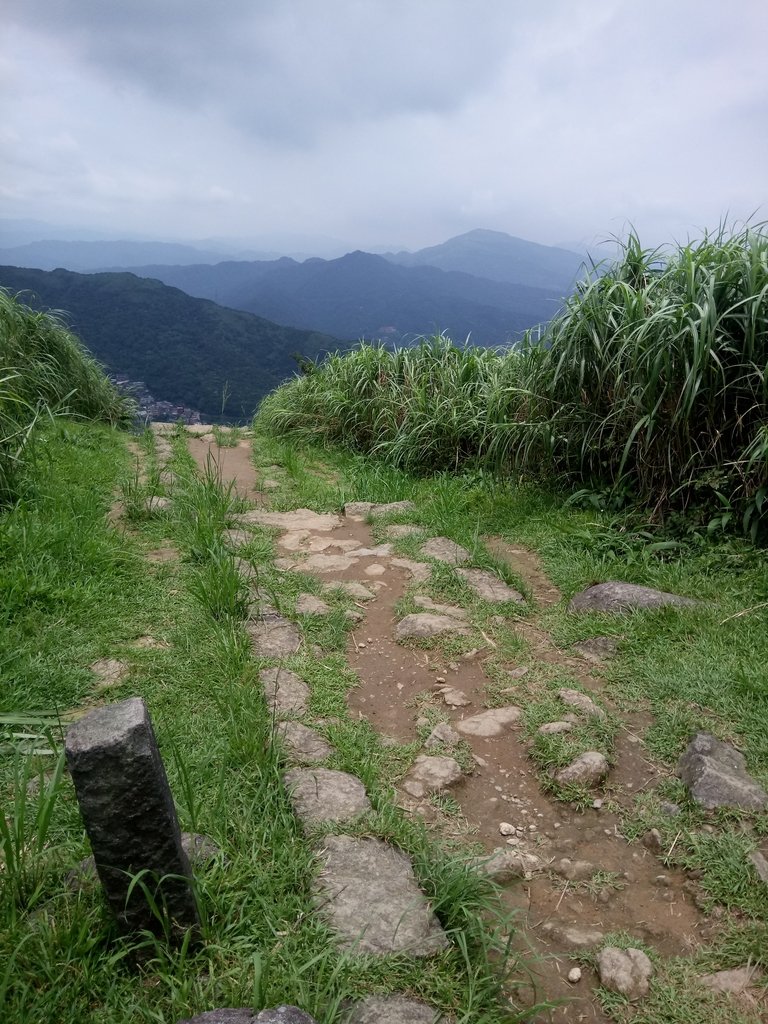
(190, 351)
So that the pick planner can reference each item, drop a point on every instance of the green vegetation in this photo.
(650, 387)
(188, 351)
(44, 372)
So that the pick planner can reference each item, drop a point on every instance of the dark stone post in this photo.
(130, 818)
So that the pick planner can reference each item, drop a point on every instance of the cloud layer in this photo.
(384, 121)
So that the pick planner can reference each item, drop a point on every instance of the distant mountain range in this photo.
(500, 257)
(187, 350)
(362, 295)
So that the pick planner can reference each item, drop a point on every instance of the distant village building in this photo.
(150, 408)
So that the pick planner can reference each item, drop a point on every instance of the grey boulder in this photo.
(624, 597)
(716, 776)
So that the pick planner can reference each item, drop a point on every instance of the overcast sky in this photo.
(384, 122)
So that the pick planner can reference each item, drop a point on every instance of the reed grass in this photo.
(44, 372)
(650, 386)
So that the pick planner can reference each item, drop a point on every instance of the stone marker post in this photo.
(130, 818)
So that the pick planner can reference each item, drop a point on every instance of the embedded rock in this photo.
(272, 636)
(305, 746)
(489, 723)
(391, 1010)
(586, 770)
(244, 1015)
(298, 519)
(308, 604)
(431, 774)
(110, 672)
(716, 776)
(554, 728)
(736, 981)
(353, 589)
(321, 794)
(441, 609)
(368, 894)
(397, 530)
(574, 870)
(422, 625)
(597, 648)
(626, 971)
(581, 702)
(360, 509)
(444, 550)
(624, 597)
(489, 587)
(442, 735)
(418, 570)
(286, 694)
(572, 936)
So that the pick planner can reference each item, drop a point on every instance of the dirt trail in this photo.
(624, 887)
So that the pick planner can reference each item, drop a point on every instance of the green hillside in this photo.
(190, 351)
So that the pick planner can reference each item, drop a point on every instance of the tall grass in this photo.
(44, 371)
(651, 384)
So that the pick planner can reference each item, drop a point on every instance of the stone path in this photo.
(544, 852)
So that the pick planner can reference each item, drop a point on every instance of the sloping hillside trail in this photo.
(568, 871)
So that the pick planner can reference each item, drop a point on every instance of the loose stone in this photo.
(369, 895)
(431, 774)
(574, 975)
(573, 937)
(553, 728)
(454, 698)
(422, 625)
(504, 865)
(356, 590)
(321, 794)
(489, 723)
(574, 870)
(626, 971)
(587, 769)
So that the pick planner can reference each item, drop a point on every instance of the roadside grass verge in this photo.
(79, 590)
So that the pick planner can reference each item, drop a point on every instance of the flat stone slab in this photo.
(490, 587)
(444, 550)
(392, 1010)
(441, 609)
(236, 538)
(352, 589)
(362, 509)
(554, 728)
(298, 519)
(624, 597)
(326, 563)
(285, 693)
(315, 543)
(431, 774)
(244, 1015)
(368, 893)
(489, 723)
(308, 604)
(419, 571)
(422, 625)
(321, 794)
(273, 636)
(572, 936)
(304, 745)
(716, 775)
(395, 531)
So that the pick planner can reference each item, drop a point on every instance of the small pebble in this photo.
(533, 828)
(506, 829)
(597, 804)
(439, 679)
(556, 824)
(574, 975)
